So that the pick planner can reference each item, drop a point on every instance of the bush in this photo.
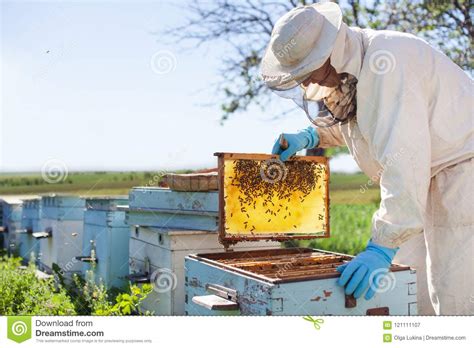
(22, 293)
(91, 298)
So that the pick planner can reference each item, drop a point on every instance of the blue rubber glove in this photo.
(305, 139)
(365, 270)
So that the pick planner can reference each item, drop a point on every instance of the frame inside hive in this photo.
(282, 265)
(261, 197)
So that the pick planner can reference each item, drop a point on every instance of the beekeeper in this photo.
(405, 111)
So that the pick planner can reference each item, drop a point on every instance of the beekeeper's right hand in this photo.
(366, 270)
(305, 139)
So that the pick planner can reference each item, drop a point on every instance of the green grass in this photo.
(341, 181)
(355, 197)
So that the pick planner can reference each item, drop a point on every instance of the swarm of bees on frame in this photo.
(277, 183)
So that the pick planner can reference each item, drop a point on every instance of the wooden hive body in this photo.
(10, 216)
(287, 282)
(62, 218)
(30, 223)
(105, 244)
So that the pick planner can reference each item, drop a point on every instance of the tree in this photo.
(246, 25)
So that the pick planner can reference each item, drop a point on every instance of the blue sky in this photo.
(78, 85)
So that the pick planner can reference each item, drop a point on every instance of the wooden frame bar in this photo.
(227, 239)
(296, 274)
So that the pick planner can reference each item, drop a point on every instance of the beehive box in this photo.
(262, 198)
(30, 223)
(105, 242)
(10, 216)
(165, 226)
(61, 238)
(158, 207)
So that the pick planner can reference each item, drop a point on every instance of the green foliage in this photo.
(90, 297)
(22, 293)
(127, 303)
(86, 294)
(335, 151)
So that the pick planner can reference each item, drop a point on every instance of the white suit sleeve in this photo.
(330, 136)
(395, 120)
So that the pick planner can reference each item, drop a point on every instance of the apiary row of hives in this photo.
(207, 253)
(69, 232)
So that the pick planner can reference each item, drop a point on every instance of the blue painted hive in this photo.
(106, 241)
(61, 236)
(10, 223)
(164, 208)
(29, 246)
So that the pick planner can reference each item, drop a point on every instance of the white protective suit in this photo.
(414, 135)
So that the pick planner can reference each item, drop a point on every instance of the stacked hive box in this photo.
(10, 216)
(61, 238)
(106, 241)
(166, 226)
(30, 223)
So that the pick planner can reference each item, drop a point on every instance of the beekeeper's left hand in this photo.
(366, 270)
(305, 139)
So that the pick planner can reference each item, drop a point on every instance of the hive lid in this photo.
(194, 182)
(108, 203)
(262, 198)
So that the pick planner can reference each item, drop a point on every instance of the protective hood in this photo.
(346, 58)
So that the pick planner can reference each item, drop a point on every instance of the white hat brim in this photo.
(276, 75)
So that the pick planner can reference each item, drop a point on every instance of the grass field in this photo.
(353, 201)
